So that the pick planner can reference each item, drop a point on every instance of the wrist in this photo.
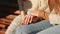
(46, 16)
(41, 14)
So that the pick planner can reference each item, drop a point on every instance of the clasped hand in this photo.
(28, 19)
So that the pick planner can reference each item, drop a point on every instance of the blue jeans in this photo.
(33, 28)
(52, 30)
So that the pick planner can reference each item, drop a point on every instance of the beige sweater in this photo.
(54, 18)
(36, 4)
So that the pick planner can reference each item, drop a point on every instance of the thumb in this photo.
(22, 14)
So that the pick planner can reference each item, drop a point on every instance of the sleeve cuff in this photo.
(54, 18)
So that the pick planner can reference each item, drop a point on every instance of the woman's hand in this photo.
(28, 19)
(37, 13)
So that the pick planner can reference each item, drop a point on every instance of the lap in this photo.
(35, 27)
(52, 30)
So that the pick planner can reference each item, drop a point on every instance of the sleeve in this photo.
(13, 25)
(43, 4)
(54, 19)
(35, 4)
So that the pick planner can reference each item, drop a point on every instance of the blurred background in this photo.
(7, 9)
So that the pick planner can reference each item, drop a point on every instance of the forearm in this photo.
(13, 25)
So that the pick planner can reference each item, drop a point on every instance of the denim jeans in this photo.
(33, 28)
(52, 30)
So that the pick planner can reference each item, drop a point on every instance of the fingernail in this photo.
(30, 21)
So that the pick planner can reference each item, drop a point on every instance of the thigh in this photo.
(52, 30)
(33, 28)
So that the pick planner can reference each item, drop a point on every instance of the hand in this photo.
(38, 13)
(28, 19)
(23, 14)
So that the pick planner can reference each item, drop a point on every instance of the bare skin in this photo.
(41, 14)
(28, 19)
(17, 12)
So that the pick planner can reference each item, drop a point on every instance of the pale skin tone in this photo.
(27, 19)
(33, 17)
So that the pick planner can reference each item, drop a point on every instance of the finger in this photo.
(28, 19)
(23, 13)
(31, 19)
(23, 20)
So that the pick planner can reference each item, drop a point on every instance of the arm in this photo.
(13, 25)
